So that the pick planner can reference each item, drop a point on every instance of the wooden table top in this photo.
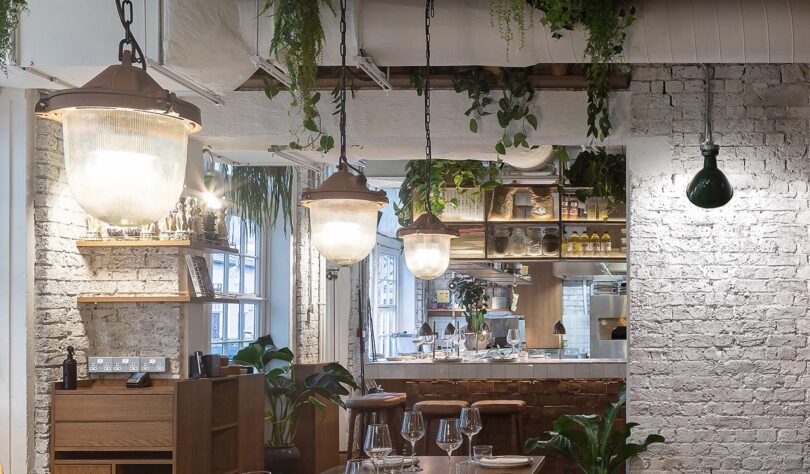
(439, 465)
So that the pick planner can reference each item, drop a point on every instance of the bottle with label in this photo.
(587, 247)
(565, 242)
(69, 376)
(607, 246)
(596, 244)
(574, 246)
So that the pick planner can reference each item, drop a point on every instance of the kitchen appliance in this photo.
(608, 311)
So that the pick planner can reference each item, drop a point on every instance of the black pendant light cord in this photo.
(343, 161)
(428, 151)
(125, 15)
(707, 133)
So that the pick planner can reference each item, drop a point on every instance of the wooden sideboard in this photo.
(212, 425)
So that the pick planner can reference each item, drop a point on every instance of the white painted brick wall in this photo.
(719, 308)
(309, 277)
(62, 272)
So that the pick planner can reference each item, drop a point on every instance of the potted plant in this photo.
(471, 294)
(593, 448)
(286, 396)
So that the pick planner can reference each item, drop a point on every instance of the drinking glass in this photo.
(417, 342)
(429, 340)
(358, 466)
(460, 339)
(447, 340)
(378, 444)
(466, 467)
(482, 451)
(469, 422)
(513, 338)
(413, 429)
(448, 437)
(392, 464)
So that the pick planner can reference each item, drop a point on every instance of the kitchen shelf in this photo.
(186, 244)
(595, 221)
(155, 298)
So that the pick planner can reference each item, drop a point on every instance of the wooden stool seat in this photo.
(511, 409)
(386, 407)
(433, 410)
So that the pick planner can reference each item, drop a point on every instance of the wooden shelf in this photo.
(594, 221)
(154, 298)
(187, 244)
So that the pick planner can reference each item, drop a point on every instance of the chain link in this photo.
(429, 12)
(126, 16)
(343, 159)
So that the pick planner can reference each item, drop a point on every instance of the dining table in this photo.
(443, 465)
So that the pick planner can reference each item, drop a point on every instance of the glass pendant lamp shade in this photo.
(124, 167)
(709, 188)
(426, 245)
(343, 217)
(125, 141)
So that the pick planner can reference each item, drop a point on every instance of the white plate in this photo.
(505, 461)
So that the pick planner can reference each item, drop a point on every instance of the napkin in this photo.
(505, 461)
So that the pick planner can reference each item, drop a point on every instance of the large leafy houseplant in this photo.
(604, 173)
(285, 395)
(10, 11)
(470, 293)
(465, 176)
(258, 194)
(592, 443)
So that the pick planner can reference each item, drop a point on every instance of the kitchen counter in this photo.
(427, 369)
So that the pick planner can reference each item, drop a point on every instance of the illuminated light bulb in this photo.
(212, 201)
(343, 230)
(426, 245)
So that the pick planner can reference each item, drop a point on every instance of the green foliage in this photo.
(593, 448)
(298, 40)
(477, 83)
(606, 23)
(285, 397)
(470, 293)
(258, 194)
(515, 115)
(10, 11)
(462, 175)
(604, 173)
(505, 13)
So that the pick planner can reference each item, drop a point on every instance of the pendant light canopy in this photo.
(426, 242)
(342, 210)
(709, 188)
(125, 138)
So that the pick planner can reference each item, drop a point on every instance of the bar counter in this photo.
(533, 369)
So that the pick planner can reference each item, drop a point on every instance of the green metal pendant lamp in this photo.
(709, 188)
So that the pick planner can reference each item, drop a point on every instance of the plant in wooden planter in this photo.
(592, 443)
(286, 396)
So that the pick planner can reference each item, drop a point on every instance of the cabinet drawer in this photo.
(82, 469)
(125, 407)
(118, 434)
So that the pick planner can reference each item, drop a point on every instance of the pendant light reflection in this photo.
(342, 210)
(426, 242)
(125, 139)
(709, 188)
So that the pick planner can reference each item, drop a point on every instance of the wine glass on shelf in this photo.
(413, 429)
(448, 437)
(378, 444)
(469, 423)
(447, 341)
(513, 338)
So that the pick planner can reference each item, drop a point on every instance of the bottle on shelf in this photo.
(596, 244)
(586, 243)
(574, 246)
(607, 245)
(565, 242)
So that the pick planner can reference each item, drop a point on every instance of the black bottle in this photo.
(69, 371)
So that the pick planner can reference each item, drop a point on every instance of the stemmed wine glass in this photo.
(513, 338)
(447, 339)
(429, 339)
(378, 444)
(413, 429)
(469, 423)
(448, 438)
(460, 339)
(417, 341)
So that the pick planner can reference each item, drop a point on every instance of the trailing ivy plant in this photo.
(477, 82)
(463, 175)
(259, 194)
(505, 13)
(518, 94)
(298, 40)
(10, 11)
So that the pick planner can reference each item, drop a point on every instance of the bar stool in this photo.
(433, 410)
(386, 407)
(508, 409)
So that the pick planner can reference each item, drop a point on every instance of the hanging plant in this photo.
(477, 82)
(465, 176)
(505, 13)
(518, 94)
(298, 40)
(605, 174)
(10, 11)
(258, 194)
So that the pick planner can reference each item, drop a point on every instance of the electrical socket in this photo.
(153, 364)
(126, 364)
(100, 364)
(96, 364)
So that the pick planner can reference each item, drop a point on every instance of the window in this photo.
(235, 325)
(387, 282)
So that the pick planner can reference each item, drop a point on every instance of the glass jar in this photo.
(518, 242)
(500, 242)
(535, 238)
(551, 242)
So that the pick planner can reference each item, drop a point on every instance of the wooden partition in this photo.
(318, 433)
(541, 305)
(173, 427)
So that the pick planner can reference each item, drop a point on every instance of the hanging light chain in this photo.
(429, 12)
(125, 15)
(343, 159)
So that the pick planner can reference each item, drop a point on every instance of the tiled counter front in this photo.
(546, 399)
(539, 369)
